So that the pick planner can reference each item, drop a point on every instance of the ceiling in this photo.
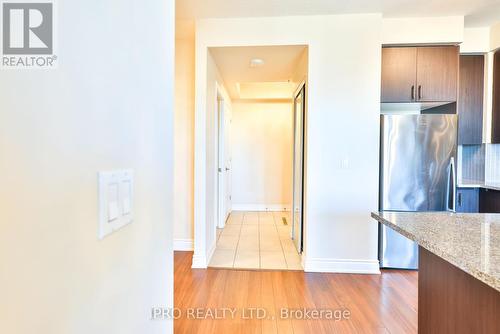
(243, 81)
(477, 12)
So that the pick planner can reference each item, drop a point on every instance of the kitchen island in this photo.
(459, 269)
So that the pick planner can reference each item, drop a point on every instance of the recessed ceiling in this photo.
(280, 63)
(476, 12)
(266, 90)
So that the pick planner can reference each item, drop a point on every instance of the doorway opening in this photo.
(259, 131)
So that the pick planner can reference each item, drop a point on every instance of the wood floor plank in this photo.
(280, 301)
(270, 323)
(384, 303)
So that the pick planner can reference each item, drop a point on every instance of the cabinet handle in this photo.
(459, 199)
(412, 92)
(419, 92)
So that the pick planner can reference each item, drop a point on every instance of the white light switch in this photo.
(116, 189)
(344, 163)
(113, 210)
(125, 196)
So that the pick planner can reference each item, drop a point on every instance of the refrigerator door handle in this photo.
(452, 187)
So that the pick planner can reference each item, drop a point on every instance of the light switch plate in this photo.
(112, 200)
(116, 190)
(344, 163)
(125, 197)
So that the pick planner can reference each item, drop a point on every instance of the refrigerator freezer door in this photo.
(417, 154)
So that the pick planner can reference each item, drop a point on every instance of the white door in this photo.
(227, 161)
(224, 162)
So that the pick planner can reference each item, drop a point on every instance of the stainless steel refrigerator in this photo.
(417, 173)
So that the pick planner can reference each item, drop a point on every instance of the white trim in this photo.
(488, 97)
(200, 157)
(324, 265)
(261, 207)
(199, 262)
(183, 244)
(211, 252)
(202, 261)
(299, 88)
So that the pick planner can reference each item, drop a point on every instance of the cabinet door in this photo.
(399, 74)
(467, 200)
(470, 100)
(437, 73)
(489, 201)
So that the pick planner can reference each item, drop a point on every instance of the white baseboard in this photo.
(199, 262)
(261, 207)
(202, 261)
(325, 265)
(183, 244)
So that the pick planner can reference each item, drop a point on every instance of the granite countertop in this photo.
(470, 242)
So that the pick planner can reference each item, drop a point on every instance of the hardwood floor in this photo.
(384, 303)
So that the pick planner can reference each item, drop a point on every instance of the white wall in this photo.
(343, 123)
(301, 68)
(107, 106)
(495, 37)
(493, 43)
(423, 30)
(206, 158)
(184, 144)
(476, 40)
(262, 146)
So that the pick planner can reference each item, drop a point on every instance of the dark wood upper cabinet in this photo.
(495, 130)
(399, 73)
(420, 74)
(437, 73)
(470, 100)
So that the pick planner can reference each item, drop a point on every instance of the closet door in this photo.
(298, 169)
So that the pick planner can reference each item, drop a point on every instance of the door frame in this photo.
(203, 246)
(221, 105)
(301, 87)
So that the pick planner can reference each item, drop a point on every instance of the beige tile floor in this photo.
(256, 240)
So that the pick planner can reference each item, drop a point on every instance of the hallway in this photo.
(256, 240)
